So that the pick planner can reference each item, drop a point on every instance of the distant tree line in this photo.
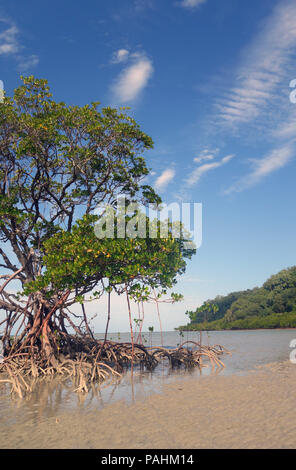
(271, 306)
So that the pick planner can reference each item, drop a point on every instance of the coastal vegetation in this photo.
(271, 306)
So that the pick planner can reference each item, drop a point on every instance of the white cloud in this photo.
(192, 3)
(202, 169)
(26, 63)
(263, 67)
(164, 179)
(276, 159)
(10, 46)
(265, 71)
(133, 79)
(260, 90)
(206, 155)
(8, 41)
(120, 56)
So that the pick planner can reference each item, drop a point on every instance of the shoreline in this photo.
(255, 410)
(242, 329)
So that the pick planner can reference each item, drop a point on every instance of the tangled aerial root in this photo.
(97, 362)
(192, 357)
(22, 373)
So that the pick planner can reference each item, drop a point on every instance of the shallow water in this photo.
(249, 349)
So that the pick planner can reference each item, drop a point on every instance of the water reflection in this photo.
(54, 396)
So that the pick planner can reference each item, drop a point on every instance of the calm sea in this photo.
(249, 348)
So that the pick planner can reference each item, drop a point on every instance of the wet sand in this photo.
(256, 410)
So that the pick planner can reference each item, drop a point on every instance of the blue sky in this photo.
(209, 81)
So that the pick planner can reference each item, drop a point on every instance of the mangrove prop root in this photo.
(94, 362)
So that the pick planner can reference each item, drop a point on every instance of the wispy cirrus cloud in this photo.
(201, 170)
(133, 79)
(10, 46)
(9, 41)
(264, 67)
(164, 179)
(206, 155)
(27, 62)
(192, 3)
(259, 95)
(263, 167)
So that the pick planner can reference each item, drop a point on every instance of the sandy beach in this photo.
(250, 411)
